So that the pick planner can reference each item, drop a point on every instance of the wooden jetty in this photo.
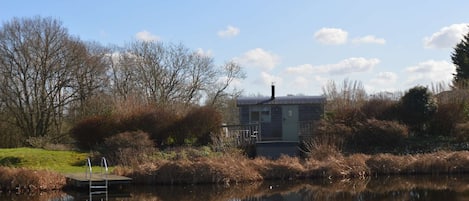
(96, 180)
(82, 180)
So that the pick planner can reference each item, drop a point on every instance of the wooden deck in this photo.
(79, 180)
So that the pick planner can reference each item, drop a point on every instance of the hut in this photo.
(282, 121)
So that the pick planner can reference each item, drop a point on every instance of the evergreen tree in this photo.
(417, 107)
(460, 58)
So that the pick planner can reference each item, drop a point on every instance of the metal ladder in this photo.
(104, 171)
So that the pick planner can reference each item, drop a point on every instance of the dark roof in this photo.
(281, 100)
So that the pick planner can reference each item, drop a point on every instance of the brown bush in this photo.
(330, 134)
(91, 131)
(220, 170)
(349, 116)
(128, 148)
(461, 131)
(378, 108)
(446, 118)
(197, 127)
(154, 121)
(376, 135)
(25, 180)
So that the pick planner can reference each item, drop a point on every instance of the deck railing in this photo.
(242, 135)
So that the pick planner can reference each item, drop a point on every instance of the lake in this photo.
(427, 188)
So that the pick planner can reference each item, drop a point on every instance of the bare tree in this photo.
(163, 73)
(228, 73)
(351, 94)
(123, 82)
(89, 79)
(42, 71)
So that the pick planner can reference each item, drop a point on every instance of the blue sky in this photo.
(298, 45)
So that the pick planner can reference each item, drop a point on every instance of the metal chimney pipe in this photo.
(272, 97)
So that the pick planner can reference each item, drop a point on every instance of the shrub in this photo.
(348, 116)
(197, 127)
(128, 148)
(445, 119)
(382, 109)
(91, 131)
(417, 107)
(327, 139)
(154, 121)
(376, 134)
(10, 135)
(461, 131)
(24, 180)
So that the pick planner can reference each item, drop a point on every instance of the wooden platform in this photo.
(79, 180)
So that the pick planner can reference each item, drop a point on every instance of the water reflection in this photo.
(382, 188)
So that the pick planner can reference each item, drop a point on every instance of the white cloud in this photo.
(346, 66)
(229, 32)
(331, 36)
(447, 37)
(351, 65)
(258, 58)
(146, 36)
(430, 71)
(369, 39)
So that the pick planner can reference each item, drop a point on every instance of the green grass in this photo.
(58, 161)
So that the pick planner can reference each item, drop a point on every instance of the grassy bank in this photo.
(28, 169)
(31, 169)
(40, 159)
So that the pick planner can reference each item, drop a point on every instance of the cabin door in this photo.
(290, 123)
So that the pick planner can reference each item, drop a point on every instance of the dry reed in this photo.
(230, 169)
(227, 169)
(26, 180)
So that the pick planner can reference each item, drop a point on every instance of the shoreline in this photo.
(236, 169)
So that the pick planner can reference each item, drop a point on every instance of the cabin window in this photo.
(260, 114)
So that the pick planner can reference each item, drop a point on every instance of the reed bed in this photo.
(21, 180)
(231, 169)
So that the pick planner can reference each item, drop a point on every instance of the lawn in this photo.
(58, 161)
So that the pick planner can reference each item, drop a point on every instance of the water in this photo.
(428, 188)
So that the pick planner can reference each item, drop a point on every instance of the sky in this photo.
(300, 46)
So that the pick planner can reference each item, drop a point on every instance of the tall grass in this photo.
(194, 167)
(23, 180)
(350, 94)
(235, 168)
